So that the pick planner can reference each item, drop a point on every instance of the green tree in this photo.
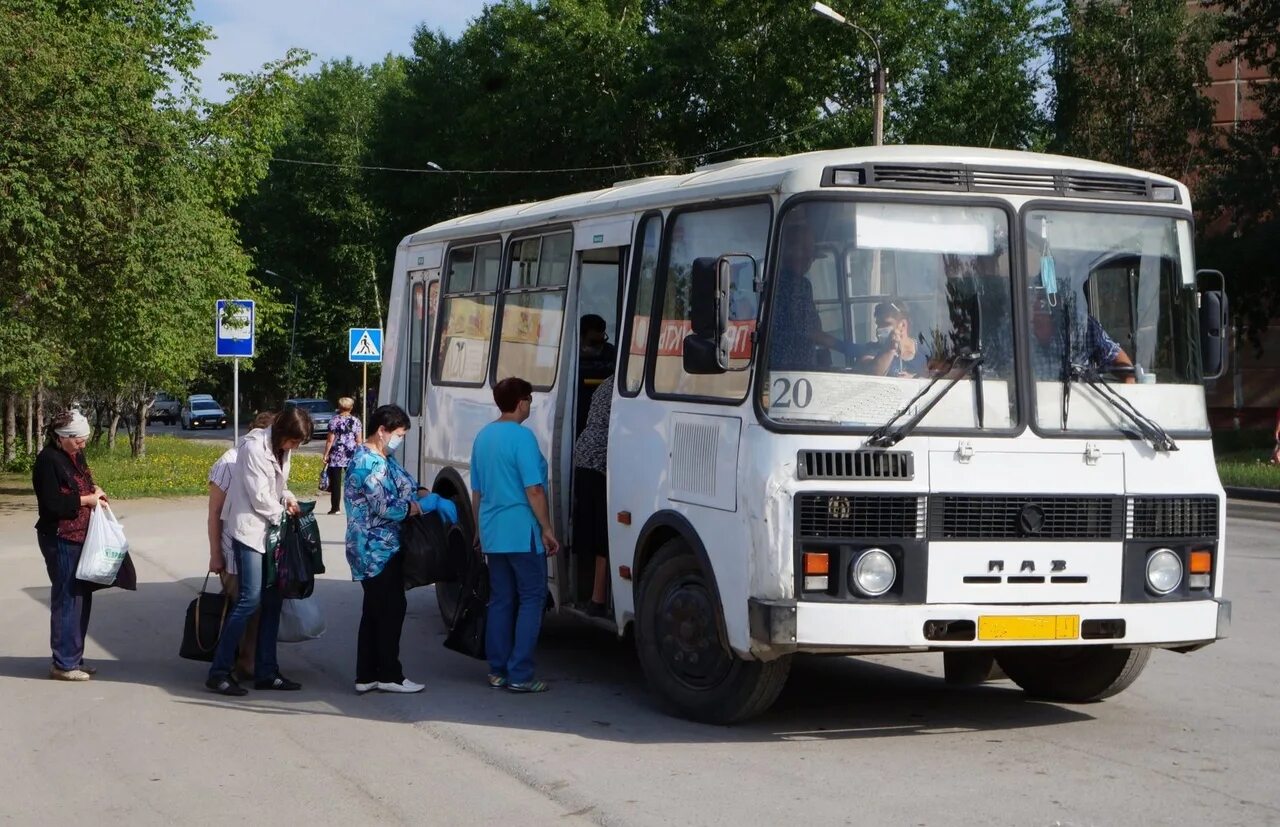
(116, 233)
(1128, 83)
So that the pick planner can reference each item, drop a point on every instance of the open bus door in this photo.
(424, 299)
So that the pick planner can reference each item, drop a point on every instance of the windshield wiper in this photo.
(884, 437)
(1148, 428)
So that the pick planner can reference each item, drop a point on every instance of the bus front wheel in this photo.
(1075, 674)
(685, 658)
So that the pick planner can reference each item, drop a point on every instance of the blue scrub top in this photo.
(505, 460)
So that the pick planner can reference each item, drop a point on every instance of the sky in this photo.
(250, 33)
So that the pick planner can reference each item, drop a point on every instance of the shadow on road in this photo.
(598, 692)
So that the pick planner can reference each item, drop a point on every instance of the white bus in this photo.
(869, 400)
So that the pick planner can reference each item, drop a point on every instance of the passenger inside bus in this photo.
(797, 327)
(1051, 328)
(590, 519)
(895, 352)
(597, 358)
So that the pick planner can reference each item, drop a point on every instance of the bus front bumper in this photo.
(787, 625)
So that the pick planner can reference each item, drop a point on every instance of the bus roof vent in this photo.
(1106, 186)
(918, 177)
(1013, 180)
(855, 465)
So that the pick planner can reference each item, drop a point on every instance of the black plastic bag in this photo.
(467, 633)
(424, 544)
(294, 576)
(206, 616)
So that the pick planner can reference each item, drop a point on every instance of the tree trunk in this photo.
(138, 437)
(39, 415)
(10, 426)
(99, 409)
(31, 425)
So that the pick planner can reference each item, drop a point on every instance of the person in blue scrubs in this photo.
(509, 497)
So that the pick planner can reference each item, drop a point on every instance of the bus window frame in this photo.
(628, 302)
(1017, 250)
(504, 289)
(660, 292)
(1024, 342)
(445, 296)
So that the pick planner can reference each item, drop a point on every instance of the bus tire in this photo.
(686, 661)
(1074, 674)
(449, 594)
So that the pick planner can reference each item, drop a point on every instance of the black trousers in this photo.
(335, 488)
(381, 620)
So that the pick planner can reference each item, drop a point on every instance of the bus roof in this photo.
(746, 176)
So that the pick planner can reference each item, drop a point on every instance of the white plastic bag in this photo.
(104, 548)
(300, 620)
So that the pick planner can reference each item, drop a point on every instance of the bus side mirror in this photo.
(1214, 322)
(709, 347)
(708, 318)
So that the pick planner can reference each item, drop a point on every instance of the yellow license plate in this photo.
(1028, 627)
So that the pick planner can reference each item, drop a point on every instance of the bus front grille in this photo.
(824, 516)
(1160, 518)
(987, 517)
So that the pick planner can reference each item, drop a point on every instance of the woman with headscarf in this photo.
(66, 496)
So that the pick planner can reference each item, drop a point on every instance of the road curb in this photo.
(1257, 495)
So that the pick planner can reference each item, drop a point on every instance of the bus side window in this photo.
(633, 350)
(705, 233)
(417, 350)
(471, 281)
(533, 309)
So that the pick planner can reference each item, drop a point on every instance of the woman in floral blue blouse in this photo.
(345, 432)
(379, 495)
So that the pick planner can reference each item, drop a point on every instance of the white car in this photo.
(203, 412)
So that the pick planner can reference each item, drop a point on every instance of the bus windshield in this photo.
(873, 300)
(1111, 299)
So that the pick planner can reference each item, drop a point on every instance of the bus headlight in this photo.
(1164, 571)
(874, 572)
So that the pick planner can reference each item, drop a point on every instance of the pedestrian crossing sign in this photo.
(364, 344)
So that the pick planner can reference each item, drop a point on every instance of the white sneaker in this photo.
(68, 674)
(362, 688)
(405, 687)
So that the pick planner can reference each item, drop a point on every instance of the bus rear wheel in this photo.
(685, 658)
(1075, 674)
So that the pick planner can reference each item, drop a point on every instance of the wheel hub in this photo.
(688, 636)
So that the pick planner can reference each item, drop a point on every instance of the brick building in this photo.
(1250, 393)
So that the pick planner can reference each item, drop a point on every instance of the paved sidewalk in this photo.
(145, 743)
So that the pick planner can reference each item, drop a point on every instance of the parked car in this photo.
(166, 408)
(321, 410)
(202, 412)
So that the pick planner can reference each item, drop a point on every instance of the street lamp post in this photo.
(457, 203)
(878, 73)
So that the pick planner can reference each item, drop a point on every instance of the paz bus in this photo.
(868, 400)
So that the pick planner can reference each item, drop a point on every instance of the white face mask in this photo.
(394, 442)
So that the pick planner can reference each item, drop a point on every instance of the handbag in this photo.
(323, 486)
(466, 635)
(206, 616)
(104, 548)
(424, 545)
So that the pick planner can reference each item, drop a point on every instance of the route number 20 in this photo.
(789, 394)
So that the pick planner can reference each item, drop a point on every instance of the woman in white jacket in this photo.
(257, 496)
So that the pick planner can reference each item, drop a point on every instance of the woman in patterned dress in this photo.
(380, 494)
(345, 434)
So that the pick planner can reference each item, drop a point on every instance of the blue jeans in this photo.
(517, 595)
(250, 565)
(69, 601)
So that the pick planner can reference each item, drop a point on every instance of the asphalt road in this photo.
(852, 741)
